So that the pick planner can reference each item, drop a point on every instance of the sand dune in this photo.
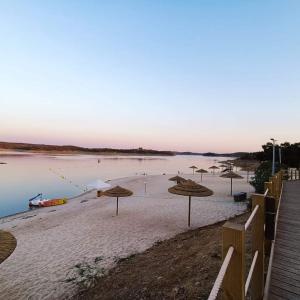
(55, 243)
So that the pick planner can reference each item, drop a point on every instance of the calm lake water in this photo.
(24, 176)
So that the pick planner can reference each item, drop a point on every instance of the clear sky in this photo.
(179, 75)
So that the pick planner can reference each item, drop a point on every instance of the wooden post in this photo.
(189, 218)
(234, 281)
(270, 208)
(274, 192)
(275, 187)
(278, 185)
(117, 212)
(268, 185)
(272, 186)
(258, 238)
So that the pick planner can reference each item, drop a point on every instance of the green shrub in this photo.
(262, 174)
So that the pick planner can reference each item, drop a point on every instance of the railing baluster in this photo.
(234, 281)
(258, 237)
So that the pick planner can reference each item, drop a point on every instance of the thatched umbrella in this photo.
(223, 161)
(223, 166)
(231, 175)
(202, 171)
(117, 192)
(193, 167)
(8, 244)
(177, 179)
(248, 169)
(231, 164)
(190, 188)
(214, 168)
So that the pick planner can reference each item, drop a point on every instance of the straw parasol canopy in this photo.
(248, 169)
(193, 167)
(223, 161)
(214, 168)
(8, 244)
(117, 192)
(223, 166)
(231, 175)
(192, 189)
(177, 178)
(202, 171)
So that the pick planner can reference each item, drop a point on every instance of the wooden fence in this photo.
(232, 281)
(293, 174)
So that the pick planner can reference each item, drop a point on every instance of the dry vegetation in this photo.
(183, 267)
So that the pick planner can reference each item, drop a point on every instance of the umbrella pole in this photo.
(189, 219)
(201, 177)
(231, 187)
(117, 212)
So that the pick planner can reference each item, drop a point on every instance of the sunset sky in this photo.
(173, 75)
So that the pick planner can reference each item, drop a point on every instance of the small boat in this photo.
(38, 201)
(53, 202)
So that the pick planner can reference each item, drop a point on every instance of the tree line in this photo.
(290, 154)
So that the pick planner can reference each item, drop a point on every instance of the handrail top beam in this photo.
(266, 192)
(250, 274)
(234, 226)
(218, 282)
(250, 219)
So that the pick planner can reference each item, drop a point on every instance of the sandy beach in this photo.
(54, 242)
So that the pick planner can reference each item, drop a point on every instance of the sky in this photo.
(210, 75)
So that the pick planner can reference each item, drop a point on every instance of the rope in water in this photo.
(63, 177)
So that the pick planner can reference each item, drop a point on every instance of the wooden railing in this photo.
(293, 174)
(231, 278)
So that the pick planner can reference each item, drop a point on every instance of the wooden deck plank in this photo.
(292, 245)
(288, 253)
(288, 259)
(286, 286)
(285, 276)
(283, 294)
(274, 297)
(282, 272)
(294, 272)
(286, 279)
(288, 265)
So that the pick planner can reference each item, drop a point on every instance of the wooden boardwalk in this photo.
(285, 276)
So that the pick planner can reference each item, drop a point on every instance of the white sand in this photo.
(55, 239)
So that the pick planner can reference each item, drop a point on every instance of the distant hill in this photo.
(75, 149)
(234, 154)
(212, 154)
(65, 149)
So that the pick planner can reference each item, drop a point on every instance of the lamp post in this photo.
(273, 161)
(279, 152)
